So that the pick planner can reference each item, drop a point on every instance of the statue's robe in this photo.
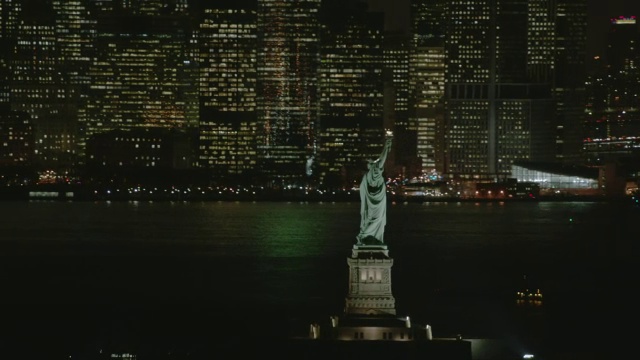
(373, 205)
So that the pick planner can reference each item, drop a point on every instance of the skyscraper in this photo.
(287, 94)
(426, 81)
(75, 34)
(613, 118)
(427, 89)
(428, 22)
(470, 53)
(37, 84)
(143, 74)
(397, 45)
(569, 78)
(622, 50)
(351, 96)
(9, 10)
(16, 142)
(228, 72)
(496, 111)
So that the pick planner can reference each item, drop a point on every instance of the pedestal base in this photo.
(370, 281)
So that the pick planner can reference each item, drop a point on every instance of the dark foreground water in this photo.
(150, 278)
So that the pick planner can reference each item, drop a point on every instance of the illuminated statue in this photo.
(309, 166)
(373, 199)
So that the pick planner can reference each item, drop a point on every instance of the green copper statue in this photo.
(373, 199)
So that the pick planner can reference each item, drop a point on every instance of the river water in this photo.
(82, 277)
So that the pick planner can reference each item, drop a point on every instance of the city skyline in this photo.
(397, 14)
(599, 14)
(182, 186)
(265, 87)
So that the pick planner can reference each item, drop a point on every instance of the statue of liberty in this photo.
(373, 199)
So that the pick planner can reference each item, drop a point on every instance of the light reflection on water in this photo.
(456, 265)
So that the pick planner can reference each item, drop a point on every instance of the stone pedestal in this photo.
(370, 281)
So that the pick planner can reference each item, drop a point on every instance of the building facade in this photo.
(16, 139)
(37, 85)
(351, 98)
(143, 75)
(227, 39)
(613, 113)
(499, 85)
(287, 88)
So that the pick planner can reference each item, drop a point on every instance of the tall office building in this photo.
(37, 85)
(623, 70)
(622, 51)
(227, 41)
(397, 45)
(541, 37)
(16, 142)
(615, 90)
(143, 74)
(470, 117)
(494, 115)
(569, 78)
(75, 32)
(427, 111)
(426, 82)
(351, 97)
(9, 10)
(287, 94)
(428, 22)
(556, 50)
(613, 118)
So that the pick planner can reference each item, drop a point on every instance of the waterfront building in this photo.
(521, 129)
(613, 114)
(558, 179)
(498, 109)
(137, 155)
(621, 54)
(227, 39)
(287, 88)
(623, 149)
(569, 75)
(470, 68)
(16, 139)
(351, 97)
(35, 86)
(555, 54)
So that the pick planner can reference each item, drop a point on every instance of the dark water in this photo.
(163, 277)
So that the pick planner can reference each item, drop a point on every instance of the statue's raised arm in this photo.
(385, 150)
(373, 199)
